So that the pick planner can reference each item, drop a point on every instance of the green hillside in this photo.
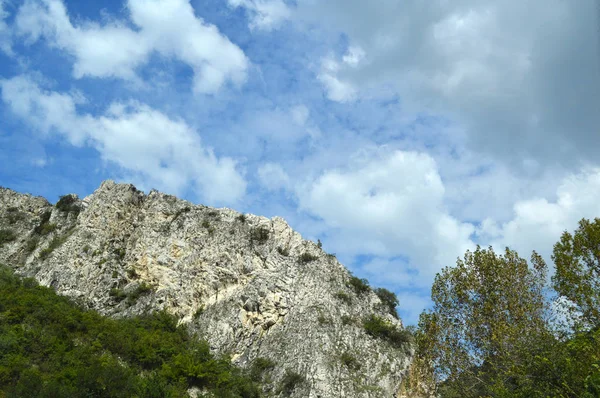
(49, 347)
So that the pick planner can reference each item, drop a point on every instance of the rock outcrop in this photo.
(249, 285)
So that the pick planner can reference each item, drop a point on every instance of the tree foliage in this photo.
(388, 299)
(489, 311)
(51, 348)
(489, 333)
(577, 277)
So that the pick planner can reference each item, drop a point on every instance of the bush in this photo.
(380, 328)
(14, 215)
(54, 244)
(214, 214)
(360, 286)
(260, 235)
(343, 296)
(199, 311)
(306, 258)
(31, 244)
(389, 300)
(117, 294)
(241, 218)
(142, 289)
(41, 228)
(283, 251)
(291, 380)
(68, 204)
(6, 236)
(347, 320)
(120, 253)
(259, 367)
(349, 361)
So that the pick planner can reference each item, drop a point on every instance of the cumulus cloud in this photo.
(145, 143)
(264, 14)
(166, 27)
(523, 78)
(337, 89)
(538, 222)
(273, 177)
(387, 205)
(5, 33)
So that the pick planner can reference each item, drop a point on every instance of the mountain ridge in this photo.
(251, 286)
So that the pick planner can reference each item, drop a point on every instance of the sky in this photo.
(400, 133)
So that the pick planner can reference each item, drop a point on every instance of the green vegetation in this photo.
(491, 333)
(120, 253)
(56, 242)
(382, 329)
(119, 294)
(389, 300)
(45, 227)
(323, 320)
(142, 289)
(241, 218)
(360, 286)
(6, 236)
(343, 296)
(347, 320)
(259, 367)
(31, 244)
(68, 204)
(306, 258)
(291, 380)
(214, 214)
(14, 216)
(52, 348)
(577, 278)
(283, 251)
(349, 361)
(259, 235)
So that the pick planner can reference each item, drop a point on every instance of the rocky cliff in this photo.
(250, 285)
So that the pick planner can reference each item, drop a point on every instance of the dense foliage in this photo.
(491, 333)
(51, 348)
(389, 300)
(577, 278)
(380, 328)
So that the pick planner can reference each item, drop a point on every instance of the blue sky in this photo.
(399, 133)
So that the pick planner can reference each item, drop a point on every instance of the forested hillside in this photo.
(49, 347)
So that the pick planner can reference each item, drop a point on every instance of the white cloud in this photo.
(389, 204)
(264, 14)
(522, 77)
(337, 89)
(273, 177)
(411, 305)
(5, 33)
(144, 142)
(538, 222)
(167, 27)
(300, 114)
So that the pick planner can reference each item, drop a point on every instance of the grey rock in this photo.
(236, 280)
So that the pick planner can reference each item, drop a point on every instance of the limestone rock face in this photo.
(249, 285)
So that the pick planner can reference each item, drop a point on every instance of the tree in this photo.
(489, 315)
(577, 277)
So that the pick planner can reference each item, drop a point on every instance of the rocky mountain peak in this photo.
(251, 286)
